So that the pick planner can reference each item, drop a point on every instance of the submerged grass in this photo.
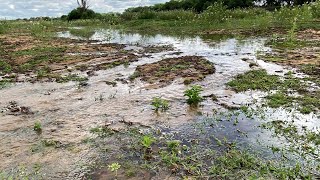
(306, 101)
(255, 80)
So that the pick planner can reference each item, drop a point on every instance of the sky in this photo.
(13, 9)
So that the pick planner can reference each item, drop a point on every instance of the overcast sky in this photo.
(12, 9)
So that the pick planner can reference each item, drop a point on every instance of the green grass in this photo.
(5, 67)
(255, 80)
(70, 77)
(279, 99)
(85, 32)
(306, 102)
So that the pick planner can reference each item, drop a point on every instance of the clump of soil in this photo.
(191, 68)
(157, 49)
(14, 109)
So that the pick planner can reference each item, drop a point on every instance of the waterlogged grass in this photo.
(306, 101)
(200, 158)
(255, 80)
(85, 32)
(4, 83)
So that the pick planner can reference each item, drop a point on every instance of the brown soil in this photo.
(191, 68)
(66, 55)
(300, 57)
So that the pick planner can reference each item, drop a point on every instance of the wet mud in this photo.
(107, 100)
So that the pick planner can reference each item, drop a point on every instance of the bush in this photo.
(315, 9)
(216, 12)
(81, 13)
(176, 15)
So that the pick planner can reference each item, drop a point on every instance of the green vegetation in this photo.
(5, 67)
(255, 80)
(102, 131)
(71, 77)
(84, 32)
(79, 13)
(147, 141)
(193, 94)
(159, 103)
(37, 127)
(114, 167)
(307, 101)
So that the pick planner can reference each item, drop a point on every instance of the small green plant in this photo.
(37, 127)
(193, 95)
(173, 146)
(159, 103)
(147, 141)
(114, 167)
(292, 32)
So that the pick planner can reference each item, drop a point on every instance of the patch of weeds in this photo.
(307, 103)
(303, 141)
(83, 32)
(4, 83)
(135, 75)
(311, 69)
(37, 127)
(193, 95)
(255, 80)
(51, 143)
(70, 77)
(22, 172)
(243, 165)
(43, 72)
(82, 67)
(159, 103)
(279, 99)
(5, 67)
(102, 132)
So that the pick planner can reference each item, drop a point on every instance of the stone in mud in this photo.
(190, 68)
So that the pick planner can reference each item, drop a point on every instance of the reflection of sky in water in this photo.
(227, 56)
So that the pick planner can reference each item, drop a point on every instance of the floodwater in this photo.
(67, 112)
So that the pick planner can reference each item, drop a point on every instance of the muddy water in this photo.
(67, 112)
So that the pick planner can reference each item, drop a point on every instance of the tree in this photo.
(82, 12)
(83, 4)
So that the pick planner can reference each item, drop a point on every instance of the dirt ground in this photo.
(190, 68)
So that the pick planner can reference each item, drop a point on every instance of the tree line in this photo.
(201, 5)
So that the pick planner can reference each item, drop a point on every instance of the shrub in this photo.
(216, 12)
(193, 95)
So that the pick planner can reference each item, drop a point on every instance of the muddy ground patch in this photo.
(190, 68)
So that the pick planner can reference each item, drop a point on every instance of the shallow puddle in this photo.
(68, 111)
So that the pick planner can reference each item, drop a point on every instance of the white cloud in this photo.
(11, 6)
(33, 8)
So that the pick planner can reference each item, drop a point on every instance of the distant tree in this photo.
(83, 4)
(82, 12)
